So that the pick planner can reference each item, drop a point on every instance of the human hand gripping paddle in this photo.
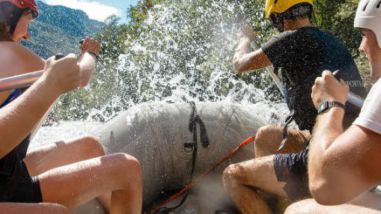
(90, 49)
(351, 97)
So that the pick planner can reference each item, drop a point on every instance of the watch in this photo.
(326, 105)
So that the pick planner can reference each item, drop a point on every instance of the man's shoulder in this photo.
(301, 31)
(318, 34)
(281, 40)
(302, 34)
(285, 34)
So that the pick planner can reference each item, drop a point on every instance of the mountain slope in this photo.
(59, 29)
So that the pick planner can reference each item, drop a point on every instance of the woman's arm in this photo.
(18, 118)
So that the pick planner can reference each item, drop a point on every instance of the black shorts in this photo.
(292, 169)
(20, 186)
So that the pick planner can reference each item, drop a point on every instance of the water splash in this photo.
(184, 53)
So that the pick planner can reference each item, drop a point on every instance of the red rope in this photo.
(211, 169)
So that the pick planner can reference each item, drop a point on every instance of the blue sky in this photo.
(98, 9)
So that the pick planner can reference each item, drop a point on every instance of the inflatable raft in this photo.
(159, 135)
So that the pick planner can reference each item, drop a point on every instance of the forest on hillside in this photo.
(59, 29)
(190, 40)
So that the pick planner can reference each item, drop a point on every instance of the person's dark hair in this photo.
(2, 26)
(9, 16)
(4, 33)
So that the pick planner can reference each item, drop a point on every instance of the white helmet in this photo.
(368, 16)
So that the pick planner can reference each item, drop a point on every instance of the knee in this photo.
(92, 146)
(60, 209)
(231, 175)
(128, 164)
(264, 133)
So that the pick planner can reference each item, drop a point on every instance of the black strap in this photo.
(193, 146)
(194, 120)
(287, 122)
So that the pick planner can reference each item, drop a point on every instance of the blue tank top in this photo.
(8, 162)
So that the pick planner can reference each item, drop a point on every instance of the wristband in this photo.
(326, 105)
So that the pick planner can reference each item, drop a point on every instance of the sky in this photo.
(98, 9)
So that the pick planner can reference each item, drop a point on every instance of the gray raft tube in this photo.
(86, 63)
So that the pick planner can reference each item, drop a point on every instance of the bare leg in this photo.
(40, 208)
(118, 173)
(269, 137)
(243, 179)
(363, 204)
(62, 153)
(59, 154)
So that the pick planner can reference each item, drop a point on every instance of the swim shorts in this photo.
(19, 186)
(292, 169)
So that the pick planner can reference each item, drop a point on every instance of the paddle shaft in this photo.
(27, 79)
(19, 81)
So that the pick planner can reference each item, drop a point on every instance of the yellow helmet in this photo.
(281, 6)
